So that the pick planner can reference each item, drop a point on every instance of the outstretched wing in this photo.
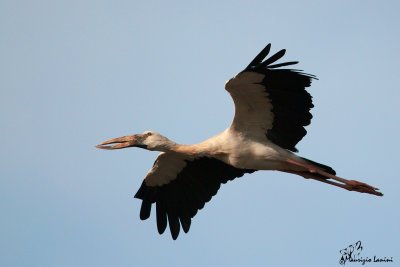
(271, 102)
(180, 187)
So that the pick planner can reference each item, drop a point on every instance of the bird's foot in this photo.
(353, 185)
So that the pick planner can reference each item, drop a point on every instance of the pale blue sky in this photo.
(75, 73)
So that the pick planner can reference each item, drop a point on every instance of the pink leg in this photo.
(350, 185)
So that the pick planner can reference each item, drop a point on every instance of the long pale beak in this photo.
(121, 142)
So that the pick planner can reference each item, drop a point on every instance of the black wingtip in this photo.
(161, 218)
(174, 226)
(258, 64)
(185, 222)
(257, 60)
(145, 210)
(282, 64)
(272, 59)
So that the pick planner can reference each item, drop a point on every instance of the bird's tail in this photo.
(325, 168)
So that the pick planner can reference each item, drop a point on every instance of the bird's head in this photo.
(149, 140)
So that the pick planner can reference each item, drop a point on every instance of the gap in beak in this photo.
(121, 142)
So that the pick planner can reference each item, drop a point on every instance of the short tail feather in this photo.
(322, 166)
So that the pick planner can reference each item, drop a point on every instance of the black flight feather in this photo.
(272, 59)
(179, 200)
(257, 60)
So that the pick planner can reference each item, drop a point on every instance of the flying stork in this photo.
(271, 109)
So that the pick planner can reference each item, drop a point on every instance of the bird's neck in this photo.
(197, 150)
(184, 149)
(173, 147)
(165, 146)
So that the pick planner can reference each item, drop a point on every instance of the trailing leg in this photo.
(314, 172)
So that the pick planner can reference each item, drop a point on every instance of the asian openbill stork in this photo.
(271, 109)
